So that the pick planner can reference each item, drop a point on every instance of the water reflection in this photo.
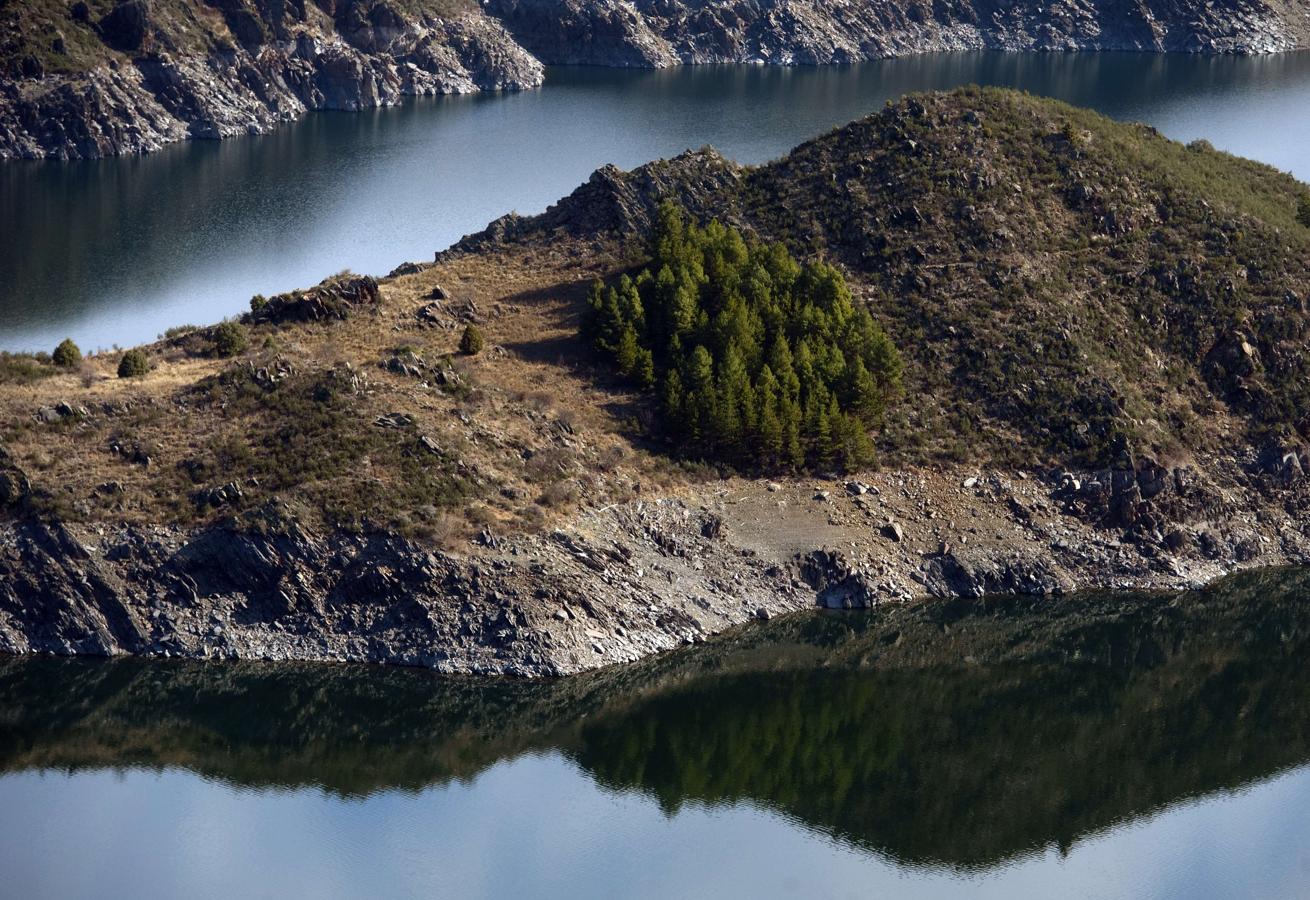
(117, 250)
(949, 737)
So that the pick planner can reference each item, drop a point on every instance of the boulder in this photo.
(221, 495)
(394, 420)
(126, 26)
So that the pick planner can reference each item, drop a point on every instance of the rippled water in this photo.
(114, 251)
(1129, 746)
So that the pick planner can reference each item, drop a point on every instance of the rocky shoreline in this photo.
(264, 63)
(147, 101)
(624, 582)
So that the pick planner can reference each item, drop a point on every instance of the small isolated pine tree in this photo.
(67, 354)
(134, 364)
(472, 341)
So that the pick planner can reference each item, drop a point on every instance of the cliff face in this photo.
(128, 76)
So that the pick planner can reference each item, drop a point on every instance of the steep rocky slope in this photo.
(91, 80)
(99, 77)
(1103, 389)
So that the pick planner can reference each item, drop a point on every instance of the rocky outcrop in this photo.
(156, 81)
(956, 574)
(333, 298)
(613, 202)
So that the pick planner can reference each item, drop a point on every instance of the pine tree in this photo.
(67, 354)
(769, 425)
(644, 370)
(865, 398)
(471, 341)
(627, 352)
(702, 403)
(674, 399)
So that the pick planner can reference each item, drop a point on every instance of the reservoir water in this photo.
(1110, 747)
(115, 251)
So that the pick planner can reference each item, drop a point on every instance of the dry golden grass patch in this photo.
(528, 436)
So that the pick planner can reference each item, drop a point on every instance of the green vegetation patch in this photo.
(24, 368)
(306, 433)
(228, 339)
(134, 364)
(758, 360)
(67, 354)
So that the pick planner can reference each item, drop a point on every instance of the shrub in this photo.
(306, 430)
(1303, 210)
(756, 359)
(258, 302)
(471, 342)
(67, 354)
(229, 339)
(22, 368)
(134, 364)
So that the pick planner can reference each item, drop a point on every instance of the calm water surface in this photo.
(1136, 748)
(114, 251)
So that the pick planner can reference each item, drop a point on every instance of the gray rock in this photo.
(951, 575)
(394, 420)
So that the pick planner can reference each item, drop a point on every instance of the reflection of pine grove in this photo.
(757, 358)
(869, 727)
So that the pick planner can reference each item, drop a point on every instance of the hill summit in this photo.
(1062, 285)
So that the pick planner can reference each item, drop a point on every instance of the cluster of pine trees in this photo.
(758, 360)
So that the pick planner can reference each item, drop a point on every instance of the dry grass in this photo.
(533, 437)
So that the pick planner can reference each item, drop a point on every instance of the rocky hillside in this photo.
(98, 77)
(1067, 289)
(1104, 387)
(817, 32)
